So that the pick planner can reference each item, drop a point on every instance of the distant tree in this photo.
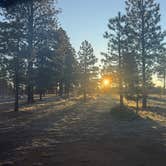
(161, 68)
(65, 62)
(55, 62)
(87, 61)
(44, 70)
(69, 73)
(143, 18)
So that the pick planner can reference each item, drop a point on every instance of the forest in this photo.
(63, 106)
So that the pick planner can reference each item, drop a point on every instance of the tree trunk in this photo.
(84, 94)
(85, 78)
(61, 88)
(85, 88)
(164, 82)
(30, 93)
(137, 104)
(67, 88)
(121, 99)
(16, 104)
(16, 79)
(40, 95)
(30, 57)
(120, 66)
(144, 90)
(144, 97)
(56, 89)
(16, 85)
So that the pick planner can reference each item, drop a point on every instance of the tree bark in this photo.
(61, 88)
(84, 94)
(137, 104)
(40, 95)
(144, 90)
(16, 79)
(67, 88)
(30, 57)
(16, 104)
(120, 65)
(164, 82)
(16, 86)
(85, 78)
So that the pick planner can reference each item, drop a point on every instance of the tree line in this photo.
(136, 49)
(36, 55)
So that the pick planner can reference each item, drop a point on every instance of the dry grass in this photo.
(156, 110)
(152, 115)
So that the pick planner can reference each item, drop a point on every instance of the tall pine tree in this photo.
(143, 17)
(161, 68)
(115, 37)
(87, 61)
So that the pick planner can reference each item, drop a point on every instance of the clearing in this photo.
(71, 133)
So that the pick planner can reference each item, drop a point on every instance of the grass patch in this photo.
(123, 113)
(153, 115)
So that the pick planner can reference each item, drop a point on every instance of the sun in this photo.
(106, 82)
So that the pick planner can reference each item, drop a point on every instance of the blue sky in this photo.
(87, 20)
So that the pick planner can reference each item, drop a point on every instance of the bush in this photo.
(123, 113)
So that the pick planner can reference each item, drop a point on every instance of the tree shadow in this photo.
(141, 137)
(125, 133)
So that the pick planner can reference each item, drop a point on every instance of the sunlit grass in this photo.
(153, 111)
(152, 115)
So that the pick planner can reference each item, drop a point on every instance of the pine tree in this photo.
(87, 62)
(9, 3)
(44, 70)
(143, 18)
(65, 63)
(161, 68)
(69, 65)
(130, 66)
(3, 70)
(41, 16)
(27, 24)
(115, 38)
(3, 61)
(11, 39)
(45, 57)
(38, 17)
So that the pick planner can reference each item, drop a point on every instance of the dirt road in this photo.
(70, 133)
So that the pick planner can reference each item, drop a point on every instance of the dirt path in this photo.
(76, 134)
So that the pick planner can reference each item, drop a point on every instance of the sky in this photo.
(87, 20)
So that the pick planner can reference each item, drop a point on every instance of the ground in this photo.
(70, 133)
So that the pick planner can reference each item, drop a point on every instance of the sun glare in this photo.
(106, 82)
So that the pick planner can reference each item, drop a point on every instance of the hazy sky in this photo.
(87, 19)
